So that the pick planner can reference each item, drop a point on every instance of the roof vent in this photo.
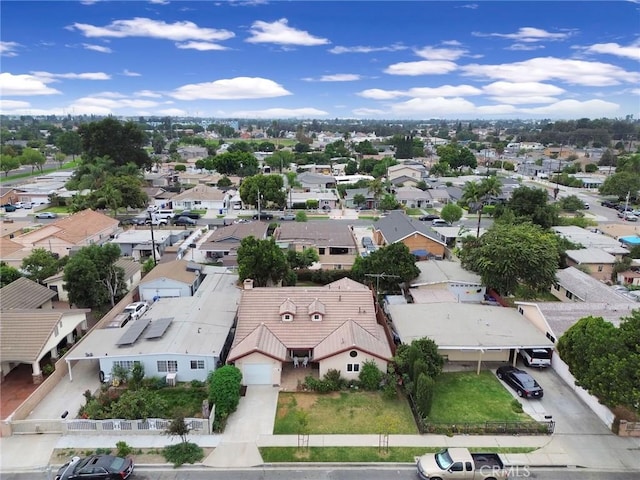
(248, 284)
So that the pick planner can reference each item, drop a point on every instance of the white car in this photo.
(630, 217)
(136, 309)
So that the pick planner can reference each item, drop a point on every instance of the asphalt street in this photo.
(403, 472)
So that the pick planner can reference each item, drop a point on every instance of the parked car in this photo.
(96, 467)
(429, 217)
(136, 309)
(520, 381)
(46, 215)
(536, 357)
(134, 221)
(585, 205)
(9, 208)
(630, 217)
(609, 204)
(156, 221)
(190, 214)
(263, 216)
(438, 222)
(288, 216)
(184, 221)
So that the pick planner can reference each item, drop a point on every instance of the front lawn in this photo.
(464, 397)
(353, 412)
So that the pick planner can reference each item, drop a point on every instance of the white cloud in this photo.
(202, 46)
(630, 51)
(97, 48)
(281, 113)
(576, 109)
(576, 72)
(527, 35)
(146, 27)
(635, 91)
(531, 100)
(379, 94)
(337, 77)
(471, 6)
(128, 73)
(8, 49)
(444, 91)
(107, 103)
(281, 33)
(231, 89)
(433, 107)
(425, 67)
(369, 112)
(434, 53)
(147, 93)
(8, 105)
(524, 47)
(521, 89)
(367, 49)
(495, 110)
(12, 85)
(159, 2)
(72, 76)
(172, 112)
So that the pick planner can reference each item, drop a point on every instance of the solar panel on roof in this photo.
(158, 327)
(133, 333)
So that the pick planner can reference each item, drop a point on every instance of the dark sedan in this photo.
(520, 381)
(192, 215)
(429, 217)
(263, 216)
(96, 467)
(9, 208)
(184, 221)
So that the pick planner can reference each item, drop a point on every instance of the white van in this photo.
(438, 222)
(164, 214)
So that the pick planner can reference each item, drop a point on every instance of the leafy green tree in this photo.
(571, 203)
(530, 205)
(395, 261)
(130, 192)
(389, 202)
(180, 168)
(621, 184)
(8, 163)
(376, 188)
(69, 143)
(92, 278)
(421, 348)
(270, 188)
(224, 182)
(301, 216)
(40, 264)
(280, 160)
(32, 158)
(451, 213)
(425, 389)
(381, 168)
(178, 428)
(456, 156)
(359, 199)
(304, 259)
(351, 168)
(261, 260)
(8, 274)
(158, 142)
(510, 255)
(122, 143)
(224, 391)
(629, 164)
(60, 158)
(370, 375)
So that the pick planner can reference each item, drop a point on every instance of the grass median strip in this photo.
(362, 454)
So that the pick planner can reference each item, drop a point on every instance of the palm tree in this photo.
(472, 197)
(376, 188)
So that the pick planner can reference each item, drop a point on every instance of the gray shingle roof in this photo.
(397, 226)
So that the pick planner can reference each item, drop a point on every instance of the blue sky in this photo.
(322, 59)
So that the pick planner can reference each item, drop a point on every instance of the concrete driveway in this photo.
(572, 416)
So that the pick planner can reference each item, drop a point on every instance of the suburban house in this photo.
(180, 339)
(177, 278)
(573, 285)
(70, 233)
(442, 196)
(415, 172)
(316, 181)
(9, 195)
(327, 199)
(370, 202)
(31, 329)
(132, 275)
(597, 262)
(419, 238)
(329, 327)
(405, 181)
(629, 277)
(12, 252)
(437, 276)
(590, 239)
(452, 236)
(202, 197)
(137, 243)
(468, 332)
(334, 242)
(413, 197)
(222, 243)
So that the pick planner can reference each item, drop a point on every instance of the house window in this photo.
(317, 317)
(600, 268)
(126, 364)
(569, 295)
(167, 366)
(557, 286)
(197, 364)
(287, 317)
(321, 251)
(353, 367)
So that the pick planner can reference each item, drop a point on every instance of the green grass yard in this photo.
(352, 412)
(464, 397)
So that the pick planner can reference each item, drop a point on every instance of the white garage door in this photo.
(256, 374)
(150, 294)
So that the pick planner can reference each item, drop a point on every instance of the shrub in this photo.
(370, 376)
(516, 406)
(137, 374)
(424, 394)
(182, 453)
(419, 368)
(123, 449)
(196, 384)
(334, 379)
(224, 391)
(301, 216)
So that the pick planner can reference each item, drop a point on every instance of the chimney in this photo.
(248, 284)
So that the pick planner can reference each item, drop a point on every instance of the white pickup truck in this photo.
(459, 463)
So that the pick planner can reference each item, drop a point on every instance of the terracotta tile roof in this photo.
(321, 234)
(23, 293)
(73, 229)
(343, 301)
(8, 247)
(174, 270)
(351, 335)
(14, 344)
(260, 340)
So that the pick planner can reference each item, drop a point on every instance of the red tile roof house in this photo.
(333, 326)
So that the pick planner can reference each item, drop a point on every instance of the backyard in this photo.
(352, 412)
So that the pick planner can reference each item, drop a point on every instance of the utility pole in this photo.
(378, 276)
(153, 240)
(258, 204)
